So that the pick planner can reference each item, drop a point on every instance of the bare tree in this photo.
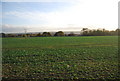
(25, 32)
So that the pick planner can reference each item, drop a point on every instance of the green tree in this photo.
(11, 35)
(118, 31)
(85, 31)
(49, 34)
(71, 34)
(39, 34)
(59, 33)
(2, 35)
(46, 34)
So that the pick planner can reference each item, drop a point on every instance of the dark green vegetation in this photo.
(83, 32)
(61, 57)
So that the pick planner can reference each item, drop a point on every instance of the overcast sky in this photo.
(55, 15)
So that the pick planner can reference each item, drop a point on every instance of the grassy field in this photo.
(90, 57)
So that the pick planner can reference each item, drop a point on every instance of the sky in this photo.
(58, 15)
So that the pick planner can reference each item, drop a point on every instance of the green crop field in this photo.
(89, 57)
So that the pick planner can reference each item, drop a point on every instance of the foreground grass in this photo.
(61, 57)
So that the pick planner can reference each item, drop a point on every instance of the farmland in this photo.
(89, 57)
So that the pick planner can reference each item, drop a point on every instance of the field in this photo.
(89, 57)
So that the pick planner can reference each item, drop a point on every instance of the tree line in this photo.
(84, 32)
(99, 32)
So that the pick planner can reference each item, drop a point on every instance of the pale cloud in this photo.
(84, 13)
(19, 28)
(40, 0)
(8, 28)
(11, 28)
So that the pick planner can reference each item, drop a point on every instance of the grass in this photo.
(90, 57)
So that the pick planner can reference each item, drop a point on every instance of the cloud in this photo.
(88, 13)
(51, 18)
(12, 28)
(54, 19)
(39, 0)
(7, 28)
